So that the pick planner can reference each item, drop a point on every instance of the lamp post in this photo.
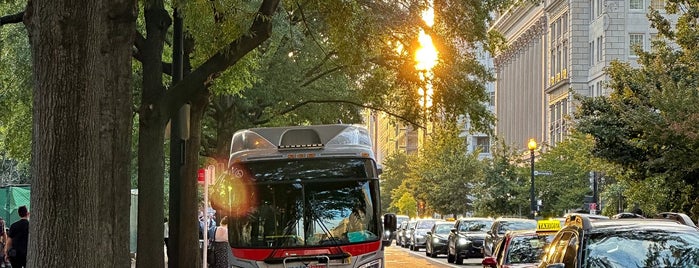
(532, 146)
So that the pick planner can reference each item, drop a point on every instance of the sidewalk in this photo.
(395, 257)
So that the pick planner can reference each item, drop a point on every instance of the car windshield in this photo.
(642, 248)
(475, 226)
(443, 228)
(516, 225)
(425, 224)
(527, 249)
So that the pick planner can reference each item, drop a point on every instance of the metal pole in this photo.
(531, 189)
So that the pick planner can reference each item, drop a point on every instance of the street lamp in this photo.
(532, 146)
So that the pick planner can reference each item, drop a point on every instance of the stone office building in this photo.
(558, 48)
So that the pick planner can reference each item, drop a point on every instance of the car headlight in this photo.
(387, 232)
(372, 264)
(418, 236)
(435, 240)
(464, 241)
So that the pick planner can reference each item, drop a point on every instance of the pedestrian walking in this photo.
(221, 246)
(17, 240)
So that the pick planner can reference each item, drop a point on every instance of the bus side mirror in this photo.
(390, 222)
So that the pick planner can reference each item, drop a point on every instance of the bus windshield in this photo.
(301, 203)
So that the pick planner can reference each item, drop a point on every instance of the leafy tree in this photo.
(443, 174)
(649, 122)
(395, 167)
(502, 190)
(15, 88)
(570, 163)
(407, 205)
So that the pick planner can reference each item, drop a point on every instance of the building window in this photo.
(599, 8)
(635, 40)
(657, 4)
(553, 63)
(635, 4)
(592, 53)
(599, 88)
(592, 9)
(592, 90)
(564, 22)
(565, 60)
(599, 48)
(483, 143)
(558, 60)
(491, 101)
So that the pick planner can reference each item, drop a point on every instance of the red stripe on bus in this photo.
(262, 254)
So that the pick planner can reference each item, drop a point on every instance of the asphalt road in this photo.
(397, 257)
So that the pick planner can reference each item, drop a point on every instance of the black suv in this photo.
(466, 239)
(500, 227)
(623, 243)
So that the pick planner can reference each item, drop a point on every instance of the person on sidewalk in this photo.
(221, 246)
(3, 241)
(17, 240)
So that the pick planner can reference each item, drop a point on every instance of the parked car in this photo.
(623, 243)
(417, 234)
(400, 219)
(436, 239)
(466, 239)
(407, 233)
(523, 248)
(500, 227)
(399, 232)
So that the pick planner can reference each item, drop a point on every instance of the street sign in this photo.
(543, 173)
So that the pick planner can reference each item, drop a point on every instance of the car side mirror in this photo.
(453, 230)
(490, 262)
(489, 232)
(428, 232)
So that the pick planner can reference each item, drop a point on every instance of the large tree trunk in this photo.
(81, 132)
(152, 120)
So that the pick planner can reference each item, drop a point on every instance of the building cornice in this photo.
(522, 40)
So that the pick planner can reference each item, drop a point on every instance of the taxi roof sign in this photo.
(548, 225)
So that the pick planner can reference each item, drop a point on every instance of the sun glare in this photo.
(426, 56)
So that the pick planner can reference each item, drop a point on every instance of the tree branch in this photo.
(320, 75)
(138, 46)
(202, 77)
(11, 19)
(301, 104)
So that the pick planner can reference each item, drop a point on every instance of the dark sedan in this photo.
(436, 239)
(466, 239)
(500, 227)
